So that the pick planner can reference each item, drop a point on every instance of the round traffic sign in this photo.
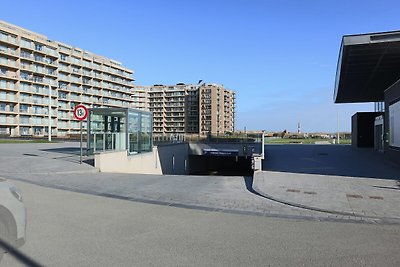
(80, 112)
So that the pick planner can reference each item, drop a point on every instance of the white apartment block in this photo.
(31, 64)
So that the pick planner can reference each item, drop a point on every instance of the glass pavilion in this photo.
(119, 129)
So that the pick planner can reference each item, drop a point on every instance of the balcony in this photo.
(7, 109)
(7, 98)
(51, 52)
(8, 74)
(8, 39)
(8, 52)
(87, 73)
(7, 120)
(76, 71)
(8, 63)
(39, 59)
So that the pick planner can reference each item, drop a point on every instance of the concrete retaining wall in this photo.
(120, 162)
(174, 158)
(167, 159)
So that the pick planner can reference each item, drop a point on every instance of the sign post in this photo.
(80, 113)
(80, 158)
(49, 118)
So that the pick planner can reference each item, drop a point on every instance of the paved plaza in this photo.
(313, 182)
(333, 179)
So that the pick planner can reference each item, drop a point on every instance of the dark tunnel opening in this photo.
(220, 165)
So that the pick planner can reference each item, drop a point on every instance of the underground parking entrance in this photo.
(186, 158)
(220, 165)
(121, 140)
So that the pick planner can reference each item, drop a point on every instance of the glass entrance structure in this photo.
(119, 129)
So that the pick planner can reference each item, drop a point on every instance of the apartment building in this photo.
(140, 97)
(216, 109)
(169, 107)
(229, 111)
(42, 80)
(190, 108)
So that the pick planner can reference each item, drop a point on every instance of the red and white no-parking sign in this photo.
(80, 112)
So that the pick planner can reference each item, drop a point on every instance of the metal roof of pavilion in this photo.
(368, 64)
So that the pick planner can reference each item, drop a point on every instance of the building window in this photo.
(25, 75)
(49, 60)
(37, 109)
(24, 130)
(25, 54)
(38, 47)
(38, 58)
(23, 108)
(62, 95)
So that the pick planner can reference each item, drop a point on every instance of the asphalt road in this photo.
(73, 229)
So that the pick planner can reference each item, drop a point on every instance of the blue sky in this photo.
(280, 56)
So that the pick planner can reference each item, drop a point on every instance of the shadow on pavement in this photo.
(340, 160)
(248, 181)
(70, 154)
(89, 162)
(21, 257)
(65, 150)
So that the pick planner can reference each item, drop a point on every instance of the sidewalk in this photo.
(360, 197)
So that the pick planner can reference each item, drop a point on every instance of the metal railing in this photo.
(210, 138)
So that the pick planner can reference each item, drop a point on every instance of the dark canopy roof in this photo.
(368, 64)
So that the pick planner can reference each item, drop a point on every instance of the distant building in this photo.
(216, 109)
(140, 97)
(189, 108)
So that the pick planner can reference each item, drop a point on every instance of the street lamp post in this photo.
(49, 115)
(262, 145)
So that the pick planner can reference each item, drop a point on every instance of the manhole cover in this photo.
(353, 196)
(293, 190)
(376, 197)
